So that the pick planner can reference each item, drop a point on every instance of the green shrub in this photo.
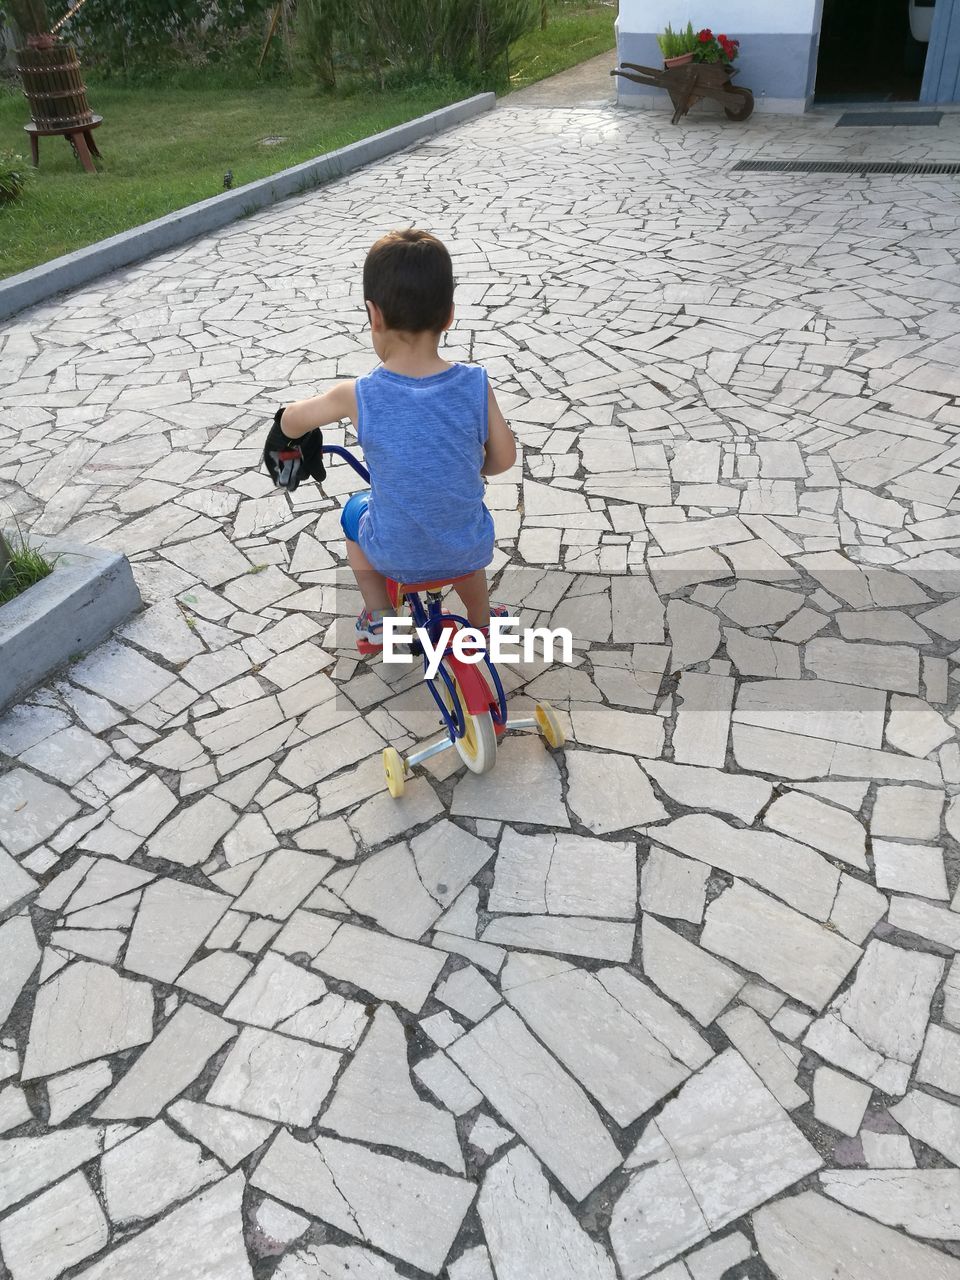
(13, 176)
(418, 39)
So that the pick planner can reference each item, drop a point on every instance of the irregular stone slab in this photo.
(345, 744)
(280, 1224)
(931, 1120)
(723, 1145)
(28, 1164)
(916, 727)
(538, 1099)
(230, 1136)
(606, 1046)
(789, 950)
(165, 1068)
(173, 920)
(673, 887)
(565, 935)
(395, 1205)
(939, 924)
(274, 991)
(696, 980)
(447, 858)
(808, 1237)
(467, 991)
(31, 810)
(375, 1102)
(211, 1222)
(812, 822)
(474, 1264)
(694, 634)
(781, 755)
(911, 868)
(121, 675)
(275, 1077)
(752, 604)
(636, 611)
(526, 788)
(564, 875)
(925, 1202)
(912, 813)
(703, 720)
(875, 666)
(630, 732)
(817, 709)
(286, 878)
(19, 956)
(74, 1089)
(215, 977)
(839, 1101)
(610, 792)
(940, 1061)
(530, 1231)
(388, 968)
(188, 838)
(152, 1170)
(387, 887)
(86, 1011)
(735, 793)
(335, 1262)
(886, 1009)
(60, 1228)
(750, 1035)
(789, 870)
(754, 656)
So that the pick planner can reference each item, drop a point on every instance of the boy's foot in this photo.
(369, 631)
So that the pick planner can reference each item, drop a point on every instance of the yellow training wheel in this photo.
(549, 725)
(395, 769)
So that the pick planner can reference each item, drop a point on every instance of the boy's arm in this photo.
(500, 451)
(319, 411)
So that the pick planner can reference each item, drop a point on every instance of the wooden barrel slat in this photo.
(54, 87)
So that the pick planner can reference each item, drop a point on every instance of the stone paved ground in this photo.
(682, 999)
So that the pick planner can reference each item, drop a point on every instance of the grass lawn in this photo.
(166, 148)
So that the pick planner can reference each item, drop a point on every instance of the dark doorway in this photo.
(868, 52)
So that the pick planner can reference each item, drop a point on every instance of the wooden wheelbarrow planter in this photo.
(686, 85)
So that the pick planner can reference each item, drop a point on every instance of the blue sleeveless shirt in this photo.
(423, 440)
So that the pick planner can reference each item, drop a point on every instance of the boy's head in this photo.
(408, 276)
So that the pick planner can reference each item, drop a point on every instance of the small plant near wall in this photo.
(21, 565)
(13, 176)
(710, 48)
(678, 47)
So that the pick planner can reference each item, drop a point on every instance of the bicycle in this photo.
(469, 696)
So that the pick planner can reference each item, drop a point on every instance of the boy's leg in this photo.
(475, 595)
(373, 585)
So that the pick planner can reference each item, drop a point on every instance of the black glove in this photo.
(288, 461)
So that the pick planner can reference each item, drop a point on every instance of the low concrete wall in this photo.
(75, 269)
(90, 592)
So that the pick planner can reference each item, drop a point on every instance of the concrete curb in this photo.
(90, 592)
(75, 269)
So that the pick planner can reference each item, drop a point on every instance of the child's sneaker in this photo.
(369, 632)
(496, 611)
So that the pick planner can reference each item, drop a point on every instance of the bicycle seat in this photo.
(411, 588)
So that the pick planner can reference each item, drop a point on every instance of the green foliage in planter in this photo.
(673, 44)
(20, 567)
(13, 176)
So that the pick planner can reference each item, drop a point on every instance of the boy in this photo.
(430, 431)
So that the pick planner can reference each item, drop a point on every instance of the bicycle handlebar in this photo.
(347, 456)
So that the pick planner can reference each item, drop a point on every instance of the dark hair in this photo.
(409, 275)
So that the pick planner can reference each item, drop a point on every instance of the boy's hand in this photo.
(500, 451)
(288, 461)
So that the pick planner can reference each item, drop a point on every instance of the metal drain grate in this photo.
(889, 119)
(859, 167)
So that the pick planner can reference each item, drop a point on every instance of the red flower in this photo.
(705, 36)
